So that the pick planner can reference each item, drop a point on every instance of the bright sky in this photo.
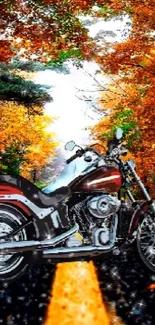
(74, 115)
(71, 111)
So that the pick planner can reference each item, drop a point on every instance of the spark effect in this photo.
(138, 307)
(131, 286)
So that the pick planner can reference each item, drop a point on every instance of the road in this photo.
(123, 281)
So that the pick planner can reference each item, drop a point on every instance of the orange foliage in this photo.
(133, 62)
(142, 115)
(42, 28)
(27, 134)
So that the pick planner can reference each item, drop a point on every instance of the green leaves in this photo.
(126, 113)
(64, 56)
(104, 10)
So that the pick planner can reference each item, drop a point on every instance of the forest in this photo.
(38, 35)
(46, 33)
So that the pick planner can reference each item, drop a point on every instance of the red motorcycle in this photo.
(80, 221)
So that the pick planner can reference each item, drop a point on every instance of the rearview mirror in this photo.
(70, 145)
(119, 133)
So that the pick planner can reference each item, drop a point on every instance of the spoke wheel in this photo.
(12, 265)
(146, 241)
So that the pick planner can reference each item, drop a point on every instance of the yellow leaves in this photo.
(116, 94)
(14, 121)
(29, 132)
(101, 128)
(141, 101)
(133, 64)
(128, 156)
(152, 51)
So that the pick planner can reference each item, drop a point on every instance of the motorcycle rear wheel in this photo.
(146, 241)
(12, 266)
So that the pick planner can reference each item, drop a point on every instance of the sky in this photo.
(73, 115)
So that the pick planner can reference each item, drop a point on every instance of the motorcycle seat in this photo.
(34, 194)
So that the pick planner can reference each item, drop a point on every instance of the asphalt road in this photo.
(123, 281)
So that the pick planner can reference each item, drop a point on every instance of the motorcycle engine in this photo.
(104, 205)
(94, 216)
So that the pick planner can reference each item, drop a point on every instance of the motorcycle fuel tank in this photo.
(104, 178)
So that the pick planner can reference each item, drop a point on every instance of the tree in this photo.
(21, 153)
(24, 139)
(26, 92)
(115, 101)
(127, 108)
(42, 29)
(133, 64)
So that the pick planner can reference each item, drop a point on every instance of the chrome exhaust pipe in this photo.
(30, 245)
(76, 252)
(68, 253)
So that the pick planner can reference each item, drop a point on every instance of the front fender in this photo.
(137, 217)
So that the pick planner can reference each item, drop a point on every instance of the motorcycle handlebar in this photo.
(78, 153)
(68, 161)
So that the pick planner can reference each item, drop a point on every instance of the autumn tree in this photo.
(46, 31)
(16, 90)
(133, 65)
(24, 139)
(42, 29)
(116, 102)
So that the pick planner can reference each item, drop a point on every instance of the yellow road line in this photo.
(76, 297)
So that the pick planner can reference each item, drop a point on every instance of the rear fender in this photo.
(12, 193)
(6, 189)
(9, 190)
(41, 228)
(45, 220)
(18, 205)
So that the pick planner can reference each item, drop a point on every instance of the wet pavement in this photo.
(25, 300)
(123, 281)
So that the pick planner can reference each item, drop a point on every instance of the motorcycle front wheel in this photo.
(12, 266)
(146, 241)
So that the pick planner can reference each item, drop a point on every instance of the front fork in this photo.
(143, 189)
(139, 213)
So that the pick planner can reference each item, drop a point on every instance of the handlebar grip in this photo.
(69, 160)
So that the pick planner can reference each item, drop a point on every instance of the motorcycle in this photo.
(80, 221)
